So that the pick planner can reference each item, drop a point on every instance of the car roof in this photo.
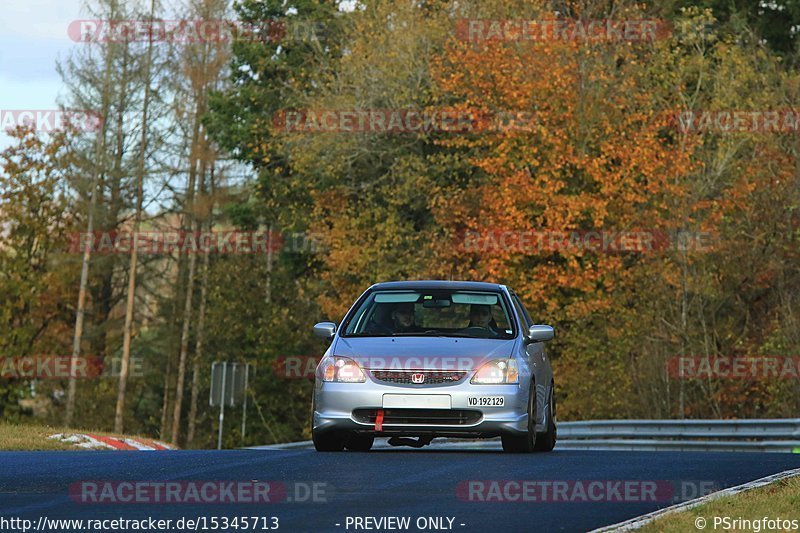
(438, 284)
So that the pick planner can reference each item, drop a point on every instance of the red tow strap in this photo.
(379, 421)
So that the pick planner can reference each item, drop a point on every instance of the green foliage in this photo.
(35, 223)
(383, 206)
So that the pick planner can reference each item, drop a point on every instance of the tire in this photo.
(545, 442)
(329, 441)
(524, 443)
(359, 442)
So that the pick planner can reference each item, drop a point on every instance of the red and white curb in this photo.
(101, 442)
(641, 521)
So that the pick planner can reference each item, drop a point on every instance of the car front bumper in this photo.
(337, 407)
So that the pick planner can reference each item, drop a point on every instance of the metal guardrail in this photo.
(763, 435)
(782, 446)
(752, 435)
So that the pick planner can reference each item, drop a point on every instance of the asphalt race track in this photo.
(396, 482)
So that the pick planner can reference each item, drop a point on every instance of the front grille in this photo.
(420, 417)
(431, 377)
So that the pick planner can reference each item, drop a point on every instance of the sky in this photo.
(33, 35)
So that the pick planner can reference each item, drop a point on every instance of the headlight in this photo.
(341, 370)
(499, 371)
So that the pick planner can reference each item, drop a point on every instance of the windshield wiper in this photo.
(433, 333)
(430, 333)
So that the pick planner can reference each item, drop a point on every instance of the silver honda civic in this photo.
(415, 360)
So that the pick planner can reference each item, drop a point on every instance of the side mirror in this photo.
(539, 333)
(326, 330)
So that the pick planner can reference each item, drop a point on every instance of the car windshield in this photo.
(442, 313)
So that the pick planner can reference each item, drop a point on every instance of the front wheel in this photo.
(545, 442)
(329, 441)
(359, 443)
(524, 443)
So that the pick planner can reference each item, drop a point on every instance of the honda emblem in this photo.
(418, 378)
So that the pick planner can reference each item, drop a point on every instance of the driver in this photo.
(480, 316)
(403, 319)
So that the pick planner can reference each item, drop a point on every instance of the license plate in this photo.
(417, 401)
(486, 401)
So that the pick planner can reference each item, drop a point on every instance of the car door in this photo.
(536, 358)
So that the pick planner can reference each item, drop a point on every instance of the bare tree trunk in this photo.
(126, 332)
(194, 158)
(165, 405)
(80, 313)
(165, 411)
(201, 73)
(187, 319)
(269, 264)
(166, 424)
(106, 296)
(198, 349)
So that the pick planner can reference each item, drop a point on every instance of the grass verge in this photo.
(29, 437)
(778, 500)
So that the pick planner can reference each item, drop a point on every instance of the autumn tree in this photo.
(36, 288)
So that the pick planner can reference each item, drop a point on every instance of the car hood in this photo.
(434, 353)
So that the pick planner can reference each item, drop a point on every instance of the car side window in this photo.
(521, 311)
